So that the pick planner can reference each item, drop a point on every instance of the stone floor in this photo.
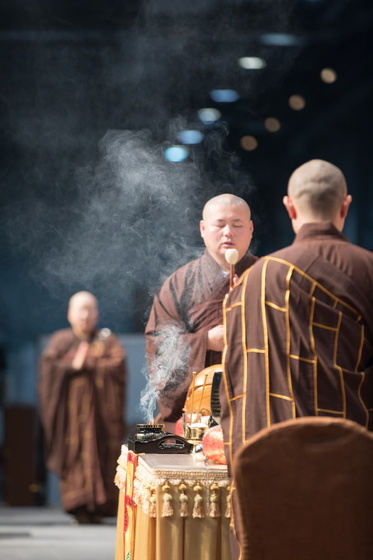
(47, 533)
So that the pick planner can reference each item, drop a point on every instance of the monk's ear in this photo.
(288, 203)
(202, 227)
(69, 315)
(345, 206)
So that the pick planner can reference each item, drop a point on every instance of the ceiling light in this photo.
(281, 40)
(328, 75)
(190, 136)
(224, 95)
(209, 115)
(252, 62)
(297, 102)
(249, 143)
(176, 153)
(272, 124)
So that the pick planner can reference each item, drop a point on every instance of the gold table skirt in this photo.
(171, 507)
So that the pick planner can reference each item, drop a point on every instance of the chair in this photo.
(304, 491)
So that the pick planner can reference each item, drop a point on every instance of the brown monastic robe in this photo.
(188, 304)
(299, 337)
(82, 415)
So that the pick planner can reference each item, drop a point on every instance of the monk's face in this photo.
(83, 314)
(226, 227)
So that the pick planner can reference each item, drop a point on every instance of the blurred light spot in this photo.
(190, 136)
(297, 102)
(252, 62)
(328, 75)
(224, 95)
(209, 116)
(249, 143)
(176, 153)
(281, 40)
(272, 124)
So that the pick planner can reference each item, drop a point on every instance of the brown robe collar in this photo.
(319, 230)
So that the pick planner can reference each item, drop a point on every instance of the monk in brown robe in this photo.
(82, 398)
(299, 323)
(184, 332)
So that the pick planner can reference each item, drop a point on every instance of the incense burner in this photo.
(150, 438)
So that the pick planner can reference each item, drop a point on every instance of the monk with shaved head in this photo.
(299, 324)
(184, 333)
(82, 398)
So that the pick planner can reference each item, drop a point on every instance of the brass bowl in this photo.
(195, 432)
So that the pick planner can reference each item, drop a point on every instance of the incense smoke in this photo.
(168, 369)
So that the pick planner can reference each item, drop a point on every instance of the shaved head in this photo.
(225, 199)
(83, 297)
(318, 189)
(82, 313)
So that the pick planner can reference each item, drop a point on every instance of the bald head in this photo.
(317, 192)
(318, 187)
(83, 296)
(82, 313)
(225, 199)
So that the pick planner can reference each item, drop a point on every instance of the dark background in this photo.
(91, 94)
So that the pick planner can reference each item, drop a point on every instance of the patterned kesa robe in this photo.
(299, 337)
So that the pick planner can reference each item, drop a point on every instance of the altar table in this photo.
(171, 507)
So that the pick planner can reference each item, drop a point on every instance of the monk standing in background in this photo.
(299, 324)
(185, 327)
(82, 397)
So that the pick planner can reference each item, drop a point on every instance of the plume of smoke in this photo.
(133, 216)
(123, 222)
(168, 369)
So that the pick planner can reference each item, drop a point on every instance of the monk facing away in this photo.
(184, 332)
(82, 397)
(299, 323)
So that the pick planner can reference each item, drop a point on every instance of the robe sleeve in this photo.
(55, 367)
(172, 351)
(109, 374)
(111, 360)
